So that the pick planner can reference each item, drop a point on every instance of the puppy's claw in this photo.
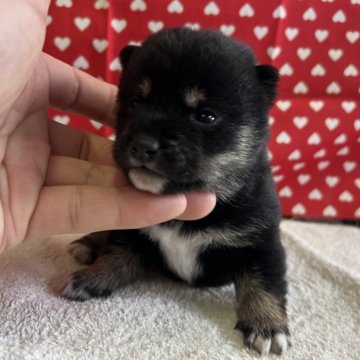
(78, 287)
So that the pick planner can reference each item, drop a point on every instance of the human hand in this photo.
(54, 179)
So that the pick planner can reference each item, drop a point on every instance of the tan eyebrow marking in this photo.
(145, 87)
(193, 96)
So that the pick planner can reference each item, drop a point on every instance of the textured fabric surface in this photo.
(160, 319)
(315, 124)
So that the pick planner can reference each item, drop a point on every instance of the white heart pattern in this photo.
(246, 11)
(212, 9)
(118, 25)
(81, 63)
(82, 23)
(175, 7)
(62, 43)
(138, 5)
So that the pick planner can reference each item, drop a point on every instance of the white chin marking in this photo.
(146, 180)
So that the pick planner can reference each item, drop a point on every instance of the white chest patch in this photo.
(180, 252)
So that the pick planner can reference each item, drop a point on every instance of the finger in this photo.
(199, 204)
(68, 171)
(85, 209)
(74, 90)
(65, 141)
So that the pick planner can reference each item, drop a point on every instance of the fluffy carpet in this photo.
(163, 320)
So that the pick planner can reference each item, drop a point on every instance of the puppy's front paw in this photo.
(265, 341)
(80, 286)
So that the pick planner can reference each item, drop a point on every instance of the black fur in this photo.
(158, 130)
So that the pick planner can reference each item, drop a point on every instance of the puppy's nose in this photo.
(144, 148)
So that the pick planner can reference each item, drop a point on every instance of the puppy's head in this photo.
(192, 112)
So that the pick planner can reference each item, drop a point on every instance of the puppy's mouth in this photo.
(146, 179)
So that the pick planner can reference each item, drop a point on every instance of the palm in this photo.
(25, 157)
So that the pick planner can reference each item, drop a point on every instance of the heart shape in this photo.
(291, 33)
(300, 88)
(352, 36)
(322, 165)
(319, 154)
(315, 194)
(298, 209)
(260, 31)
(283, 138)
(341, 139)
(298, 166)
(82, 22)
(348, 106)
(329, 211)
(115, 65)
(303, 179)
(333, 88)
(227, 30)
(100, 45)
(300, 121)
(331, 123)
(339, 17)
(346, 196)
(81, 63)
(62, 43)
(316, 105)
(285, 192)
(155, 26)
(343, 151)
(273, 51)
(335, 54)
(211, 9)
(332, 181)
(314, 139)
(318, 70)
(303, 53)
(246, 11)
(321, 35)
(351, 70)
(295, 155)
(101, 4)
(118, 24)
(283, 105)
(138, 5)
(286, 70)
(349, 166)
(279, 12)
(175, 7)
(309, 14)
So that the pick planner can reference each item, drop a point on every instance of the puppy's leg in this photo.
(261, 307)
(116, 258)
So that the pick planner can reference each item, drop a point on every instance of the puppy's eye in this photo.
(206, 117)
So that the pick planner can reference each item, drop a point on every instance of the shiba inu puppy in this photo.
(192, 115)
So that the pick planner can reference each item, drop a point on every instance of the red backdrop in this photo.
(315, 142)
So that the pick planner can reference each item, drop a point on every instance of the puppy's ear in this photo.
(126, 54)
(268, 77)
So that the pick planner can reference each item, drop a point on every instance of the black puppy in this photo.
(193, 115)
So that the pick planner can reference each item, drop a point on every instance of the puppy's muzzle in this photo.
(144, 148)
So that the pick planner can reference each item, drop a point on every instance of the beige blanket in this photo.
(163, 320)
